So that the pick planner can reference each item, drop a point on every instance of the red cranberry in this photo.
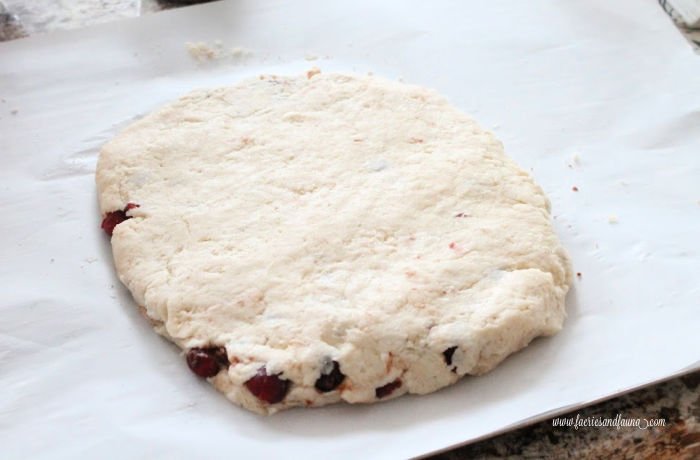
(387, 389)
(111, 220)
(447, 354)
(269, 388)
(207, 362)
(114, 218)
(329, 382)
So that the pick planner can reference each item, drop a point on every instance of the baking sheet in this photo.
(600, 95)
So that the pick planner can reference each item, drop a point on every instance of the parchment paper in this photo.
(600, 95)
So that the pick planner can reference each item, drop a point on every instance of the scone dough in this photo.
(302, 221)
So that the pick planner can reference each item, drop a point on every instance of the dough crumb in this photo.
(574, 160)
(312, 71)
(239, 52)
(310, 57)
(200, 51)
(203, 51)
(574, 188)
(612, 219)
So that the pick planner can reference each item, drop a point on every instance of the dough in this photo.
(313, 239)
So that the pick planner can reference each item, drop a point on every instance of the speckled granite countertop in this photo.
(675, 403)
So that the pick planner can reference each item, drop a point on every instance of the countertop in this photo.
(674, 404)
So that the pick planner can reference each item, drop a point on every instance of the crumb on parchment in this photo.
(201, 51)
(575, 160)
(204, 51)
(612, 219)
(240, 52)
(312, 72)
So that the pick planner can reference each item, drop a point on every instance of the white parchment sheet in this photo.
(600, 95)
